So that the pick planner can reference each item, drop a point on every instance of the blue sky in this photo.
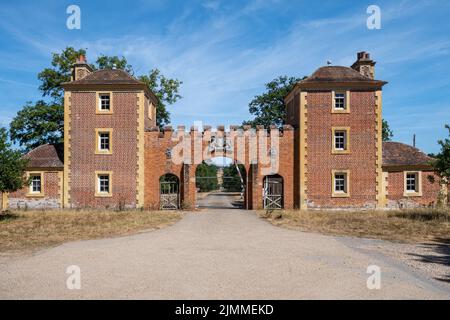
(224, 51)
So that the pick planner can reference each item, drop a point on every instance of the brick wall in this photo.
(122, 162)
(360, 161)
(51, 198)
(395, 190)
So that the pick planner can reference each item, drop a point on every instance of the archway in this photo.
(221, 183)
(169, 192)
(273, 192)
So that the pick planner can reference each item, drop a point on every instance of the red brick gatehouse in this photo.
(331, 153)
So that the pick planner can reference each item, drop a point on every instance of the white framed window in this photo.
(341, 183)
(36, 183)
(104, 102)
(340, 138)
(339, 101)
(103, 184)
(412, 183)
(103, 141)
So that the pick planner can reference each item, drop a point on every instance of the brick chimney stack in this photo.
(364, 65)
(81, 68)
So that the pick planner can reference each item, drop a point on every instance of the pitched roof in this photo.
(336, 73)
(108, 76)
(400, 154)
(46, 156)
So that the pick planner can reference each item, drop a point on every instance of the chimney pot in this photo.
(81, 59)
(81, 68)
(364, 65)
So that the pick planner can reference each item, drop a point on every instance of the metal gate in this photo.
(169, 194)
(273, 192)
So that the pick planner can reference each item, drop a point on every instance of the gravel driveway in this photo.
(215, 254)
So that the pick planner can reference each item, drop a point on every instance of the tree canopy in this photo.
(206, 177)
(42, 122)
(268, 107)
(442, 163)
(387, 133)
(231, 179)
(12, 166)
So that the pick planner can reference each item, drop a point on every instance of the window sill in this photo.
(35, 195)
(412, 194)
(100, 195)
(340, 195)
(340, 111)
(104, 112)
(103, 153)
(340, 152)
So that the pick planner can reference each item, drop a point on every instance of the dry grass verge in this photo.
(30, 230)
(403, 226)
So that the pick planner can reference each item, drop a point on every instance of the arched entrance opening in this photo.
(169, 192)
(273, 192)
(221, 183)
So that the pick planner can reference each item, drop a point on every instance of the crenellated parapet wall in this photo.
(179, 151)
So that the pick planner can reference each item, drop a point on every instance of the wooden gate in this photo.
(273, 192)
(169, 197)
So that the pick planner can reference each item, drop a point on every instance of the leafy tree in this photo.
(206, 177)
(114, 62)
(28, 128)
(61, 71)
(12, 166)
(387, 133)
(268, 108)
(231, 179)
(167, 91)
(442, 163)
(38, 124)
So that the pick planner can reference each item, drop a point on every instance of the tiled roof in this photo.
(337, 74)
(46, 156)
(107, 76)
(398, 154)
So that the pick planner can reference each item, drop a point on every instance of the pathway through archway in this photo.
(220, 184)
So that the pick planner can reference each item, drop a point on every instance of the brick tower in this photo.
(338, 143)
(105, 116)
